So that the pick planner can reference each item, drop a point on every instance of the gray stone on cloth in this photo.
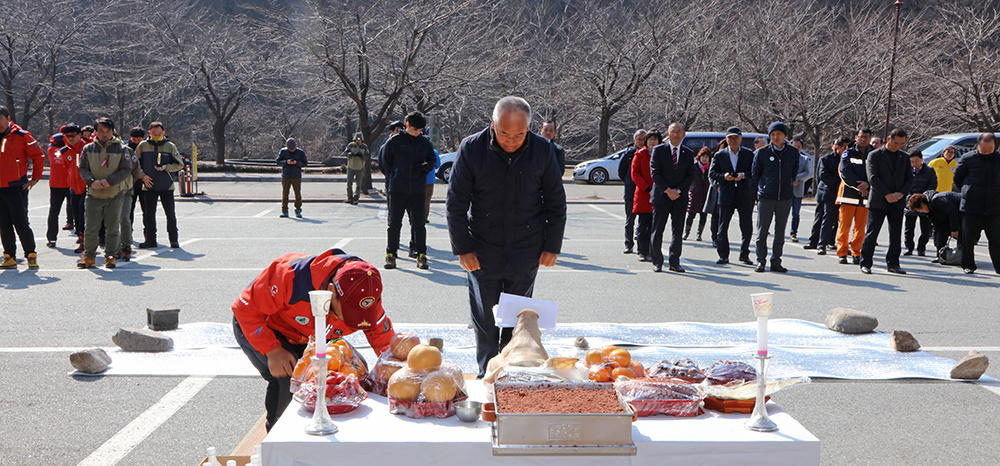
(971, 367)
(140, 339)
(850, 321)
(90, 361)
(903, 341)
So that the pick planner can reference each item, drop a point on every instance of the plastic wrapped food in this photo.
(684, 369)
(343, 393)
(610, 363)
(747, 390)
(673, 397)
(724, 372)
(422, 394)
(377, 380)
(542, 374)
(343, 358)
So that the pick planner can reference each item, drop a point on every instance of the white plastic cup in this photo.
(320, 302)
(762, 304)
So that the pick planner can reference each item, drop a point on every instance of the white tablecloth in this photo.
(371, 436)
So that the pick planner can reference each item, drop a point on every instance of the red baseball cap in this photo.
(359, 287)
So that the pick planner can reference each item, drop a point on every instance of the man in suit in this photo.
(731, 171)
(825, 222)
(890, 176)
(775, 166)
(672, 168)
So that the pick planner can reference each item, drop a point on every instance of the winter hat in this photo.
(777, 126)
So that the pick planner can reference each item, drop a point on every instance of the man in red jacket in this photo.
(272, 318)
(16, 147)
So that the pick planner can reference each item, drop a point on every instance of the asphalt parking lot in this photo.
(234, 231)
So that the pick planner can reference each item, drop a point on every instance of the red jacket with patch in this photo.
(58, 168)
(71, 156)
(278, 301)
(15, 149)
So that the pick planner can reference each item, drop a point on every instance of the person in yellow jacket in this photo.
(104, 166)
(944, 169)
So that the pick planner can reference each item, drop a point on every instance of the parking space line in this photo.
(118, 446)
(340, 244)
(163, 248)
(592, 206)
(265, 212)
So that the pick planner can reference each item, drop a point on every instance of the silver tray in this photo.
(562, 434)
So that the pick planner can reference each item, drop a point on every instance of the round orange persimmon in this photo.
(622, 372)
(606, 351)
(593, 356)
(599, 373)
(336, 359)
(637, 369)
(621, 357)
(344, 348)
(350, 369)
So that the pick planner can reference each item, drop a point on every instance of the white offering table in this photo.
(371, 436)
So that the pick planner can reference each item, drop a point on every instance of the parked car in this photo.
(600, 171)
(963, 142)
(447, 160)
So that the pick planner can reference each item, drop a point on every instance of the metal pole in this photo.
(892, 72)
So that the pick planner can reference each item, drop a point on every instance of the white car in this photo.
(447, 160)
(599, 171)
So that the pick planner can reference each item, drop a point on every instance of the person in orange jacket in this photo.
(16, 147)
(70, 153)
(272, 318)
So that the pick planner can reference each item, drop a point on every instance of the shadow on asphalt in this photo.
(26, 279)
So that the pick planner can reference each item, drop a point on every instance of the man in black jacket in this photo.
(672, 168)
(978, 177)
(891, 176)
(731, 171)
(159, 159)
(775, 166)
(943, 211)
(408, 158)
(853, 197)
(506, 215)
(625, 174)
(924, 178)
(825, 222)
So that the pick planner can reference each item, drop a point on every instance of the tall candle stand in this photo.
(759, 420)
(321, 423)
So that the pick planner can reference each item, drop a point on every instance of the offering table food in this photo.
(370, 435)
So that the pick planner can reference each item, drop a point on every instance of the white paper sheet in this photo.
(511, 305)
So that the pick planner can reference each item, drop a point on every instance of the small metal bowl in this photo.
(468, 411)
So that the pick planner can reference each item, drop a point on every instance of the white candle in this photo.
(762, 336)
(320, 302)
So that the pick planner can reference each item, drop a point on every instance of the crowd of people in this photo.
(859, 186)
(100, 178)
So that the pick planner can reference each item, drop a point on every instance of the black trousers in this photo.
(941, 235)
(135, 200)
(772, 211)
(972, 225)
(630, 233)
(149, 201)
(675, 210)
(485, 286)
(411, 204)
(78, 203)
(14, 218)
(277, 396)
(875, 219)
(56, 198)
(643, 232)
(824, 227)
(909, 225)
(725, 215)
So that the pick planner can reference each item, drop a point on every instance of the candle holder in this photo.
(321, 423)
(759, 420)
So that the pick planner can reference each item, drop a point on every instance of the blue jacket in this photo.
(507, 208)
(829, 178)
(773, 171)
(291, 171)
(432, 175)
(406, 161)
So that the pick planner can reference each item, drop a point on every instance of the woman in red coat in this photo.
(641, 206)
(699, 192)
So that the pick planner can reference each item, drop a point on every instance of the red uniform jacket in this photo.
(643, 182)
(278, 301)
(71, 156)
(15, 150)
(58, 168)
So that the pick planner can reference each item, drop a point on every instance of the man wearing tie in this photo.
(672, 168)
(731, 170)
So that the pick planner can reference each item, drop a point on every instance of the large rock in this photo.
(971, 367)
(140, 339)
(90, 361)
(902, 341)
(844, 320)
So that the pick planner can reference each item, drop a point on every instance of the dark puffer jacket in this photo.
(977, 176)
(507, 208)
(407, 160)
(924, 178)
(774, 171)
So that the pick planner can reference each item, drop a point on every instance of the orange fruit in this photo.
(606, 351)
(622, 372)
(621, 357)
(593, 356)
(344, 348)
(347, 369)
(599, 373)
(336, 359)
(300, 368)
(637, 369)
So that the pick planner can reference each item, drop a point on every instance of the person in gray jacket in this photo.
(291, 159)
(802, 179)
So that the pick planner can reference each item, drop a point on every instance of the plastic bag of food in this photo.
(343, 358)
(609, 363)
(747, 390)
(343, 393)
(724, 372)
(684, 369)
(419, 394)
(673, 397)
(377, 380)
